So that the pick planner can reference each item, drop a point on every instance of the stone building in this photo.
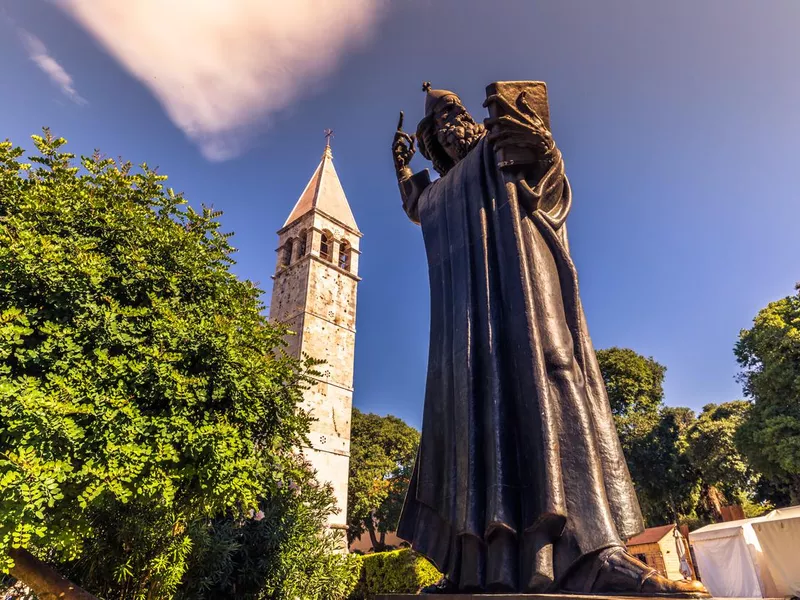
(314, 293)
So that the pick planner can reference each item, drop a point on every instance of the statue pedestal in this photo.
(526, 596)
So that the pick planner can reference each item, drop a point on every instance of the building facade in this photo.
(666, 550)
(314, 292)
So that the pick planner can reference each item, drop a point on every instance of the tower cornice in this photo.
(331, 218)
(308, 257)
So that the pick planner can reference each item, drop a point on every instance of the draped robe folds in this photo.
(520, 471)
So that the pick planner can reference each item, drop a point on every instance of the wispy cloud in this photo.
(222, 68)
(37, 52)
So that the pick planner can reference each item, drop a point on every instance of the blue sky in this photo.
(679, 123)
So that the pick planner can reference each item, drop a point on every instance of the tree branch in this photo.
(44, 580)
(370, 523)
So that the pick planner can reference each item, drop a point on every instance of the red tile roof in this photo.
(652, 535)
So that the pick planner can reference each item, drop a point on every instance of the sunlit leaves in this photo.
(769, 354)
(382, 451)
(135, 369)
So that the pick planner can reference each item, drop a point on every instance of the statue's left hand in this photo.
(519, 126)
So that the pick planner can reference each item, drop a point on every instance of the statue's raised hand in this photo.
(402, 147)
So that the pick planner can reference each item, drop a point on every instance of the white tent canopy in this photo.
(750, 558)
(728, 559)
(779, 536)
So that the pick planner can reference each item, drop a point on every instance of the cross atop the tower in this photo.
(328, 136)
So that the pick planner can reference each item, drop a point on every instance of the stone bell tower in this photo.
(314, 293)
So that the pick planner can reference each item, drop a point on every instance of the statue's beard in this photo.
(462, 134)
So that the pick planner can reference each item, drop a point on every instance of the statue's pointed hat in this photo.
(434, 97)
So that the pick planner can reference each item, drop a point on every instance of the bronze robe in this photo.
(520, 471)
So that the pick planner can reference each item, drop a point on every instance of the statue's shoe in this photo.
(617, 573)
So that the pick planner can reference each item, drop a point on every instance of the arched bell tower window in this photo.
(287, 252)
(302, 240)
(344, 256)
(325, 246)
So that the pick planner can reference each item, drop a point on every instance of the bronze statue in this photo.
(520, 484)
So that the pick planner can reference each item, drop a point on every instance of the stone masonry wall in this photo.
(317, 299)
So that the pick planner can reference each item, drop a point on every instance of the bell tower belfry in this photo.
(314, 293)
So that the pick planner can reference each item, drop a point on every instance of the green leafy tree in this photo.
(142, 391)
(653, 436)
(712, 449)
(769, 355)
(770, 493)
(635, 386)
(382, 452)
(668, 484)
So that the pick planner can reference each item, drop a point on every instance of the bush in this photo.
(282, 552)
(397, 571)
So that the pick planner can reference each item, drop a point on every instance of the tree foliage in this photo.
(635, 384)
(382, 452)
(769, 355)
(653, 436)
(142, 391)
(712, 449)
(668, 483)
(684, 468)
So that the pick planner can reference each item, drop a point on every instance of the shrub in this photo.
(277, 553)
(397, 571)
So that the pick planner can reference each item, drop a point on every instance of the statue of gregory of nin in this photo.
(520, 483)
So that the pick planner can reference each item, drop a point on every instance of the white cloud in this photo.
(222, 68)
(37, 52)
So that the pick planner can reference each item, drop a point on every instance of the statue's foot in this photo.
(615, 572)
(443, 586)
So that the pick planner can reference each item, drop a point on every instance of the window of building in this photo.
(325, 247)
(301, 244)
(344, 256)
(287, 252)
